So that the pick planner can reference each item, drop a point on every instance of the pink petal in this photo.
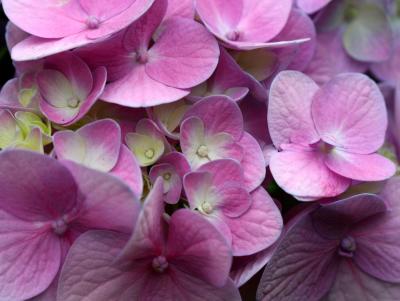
(349, 113)
(298, 56)
(95, 145)
(179, 8)
(105, 198)
(223, 171)
(235, 200)
(371, 167)
(29, 257)
(210, 261)
(304, 174)
(219, 115)
(178, 161)
(258, 228)
(184, 55)
(150, 93)
(353, 284)
(289, 109)
(253, 162)
(303, 266)
(128, 170)
(25, 198)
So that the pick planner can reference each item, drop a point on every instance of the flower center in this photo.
(149, 154)
(233, 35)
(347, 247)
(141, 57)
(160, 264)
(60, 226)
(73, 102)
(206, 207)
(167, 176)
(202, 151)
(92, 22)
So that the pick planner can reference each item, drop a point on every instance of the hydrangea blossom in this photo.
(173, 149)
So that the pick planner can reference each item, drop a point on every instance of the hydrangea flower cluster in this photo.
(180, 149)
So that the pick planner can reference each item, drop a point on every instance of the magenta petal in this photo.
(353, 284)
(304, 174)
(29, 258)
(235, 200)
(171, 179)
(377, 238)
(148, 239)
(184, 55)
(210, 260)
(180, 8)
(349, 113)
(100, 279)
(105, 198)
(42, 173)
(291, 95)
(304, 264)
(219, 115)
(245, 267)
(371, 167)
(258, 228)
(223, 171)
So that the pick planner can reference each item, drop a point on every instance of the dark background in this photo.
(6, 67)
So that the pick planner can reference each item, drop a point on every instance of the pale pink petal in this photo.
(96, 145)
(106, 198)
(331, 59)
(304, 174)
(171, 179)
(349, 113)
(184, 55)
(219, 115)
(210, 260)
(248, 21)
(198, 186)
(302, 268)
(25, 198)
(312, 6)
(368, 37)
(258, 228)
(352, 284)
(128, 170)
(289, 109)
(235, 200)
(371, 167)
(253, 162)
